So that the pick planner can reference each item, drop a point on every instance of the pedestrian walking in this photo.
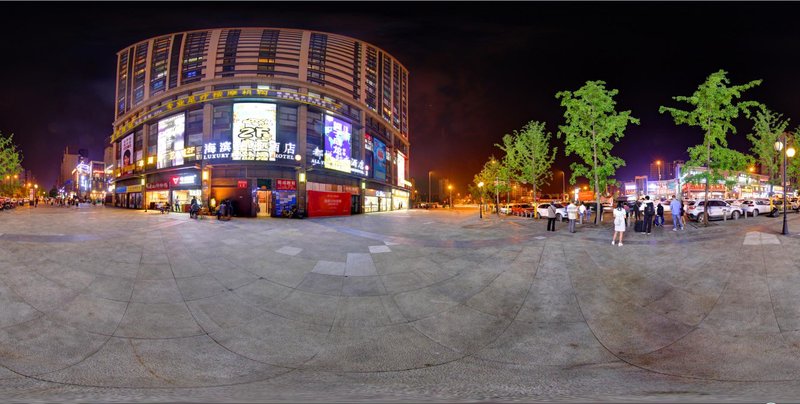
(649, 212)
(676, 207)
(551, 218)
(619, 223)
(588, 213)
(572, 215)
(582, 211)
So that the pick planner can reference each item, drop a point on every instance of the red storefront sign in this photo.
(285, 185)
(689, 187)
(155, 186)
(241, 184)
(328, 203)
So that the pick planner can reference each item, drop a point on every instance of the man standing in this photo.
(572, 215)
(649, 212)
(551, 217)
(582, 211)
(675, 206)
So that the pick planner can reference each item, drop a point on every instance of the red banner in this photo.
(285, 185)
(241, 184)
(328, 203)
(152, 186)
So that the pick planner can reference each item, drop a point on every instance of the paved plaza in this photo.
(106, 304)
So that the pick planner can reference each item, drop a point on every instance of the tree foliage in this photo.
(494, 175)
(529, 155)
(767, 129)
(592, 128)
(713, 109)
(10, 157)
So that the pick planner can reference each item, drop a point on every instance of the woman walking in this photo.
(619, 223)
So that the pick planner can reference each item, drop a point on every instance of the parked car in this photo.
(755, 207)
(521, 209)
(561, 210)
(508, 208)
(717, 209)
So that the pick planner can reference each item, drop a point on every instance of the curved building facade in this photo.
(268, 118)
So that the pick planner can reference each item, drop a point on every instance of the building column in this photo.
(302, 150)
(205, 171)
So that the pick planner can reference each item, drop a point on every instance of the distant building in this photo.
(664, 170)
(68, 163)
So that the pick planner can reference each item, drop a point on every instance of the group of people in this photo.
(645, 212)
(651, 213)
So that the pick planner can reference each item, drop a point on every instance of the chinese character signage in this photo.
(155, 186)
(285, 185)
(214, 150)
(380, 159)
(178, 180)
(170, 141)
(328, 203)
(254, 130)
(208, 96)
(337, 144)
(241, 184)
(126, 154)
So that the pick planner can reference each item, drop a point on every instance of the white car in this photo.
(717, 209)
(561, 210)
(755, 207)
(506, 209)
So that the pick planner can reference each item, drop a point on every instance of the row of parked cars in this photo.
(718, 209)
(11, 203)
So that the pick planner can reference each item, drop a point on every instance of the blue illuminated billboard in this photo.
(337, 144)
(380, 158)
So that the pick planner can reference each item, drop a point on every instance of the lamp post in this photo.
(450, 188)
(429, 186)
(563, 184)
(787, 152)
(480, 208)
(658, 163)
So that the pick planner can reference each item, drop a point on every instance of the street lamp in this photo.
(429, 185)
(450, 188)
(789, 152)
(563, 183)
(658, 163)
(480, 208)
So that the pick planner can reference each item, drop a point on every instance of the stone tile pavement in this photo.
(104, 304)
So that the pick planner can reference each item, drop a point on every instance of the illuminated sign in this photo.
(337, 144)
(287, 185)
(221, 150)
(193, 99)
(254, 131)
(153, 186)
(183, 180)
(126, 154)
(241, 184)
(380, 159)
(368, 142)
(170, 141)
(401, 169)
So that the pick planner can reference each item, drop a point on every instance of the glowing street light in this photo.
(480, 209)
(450, 188)
(789, 152)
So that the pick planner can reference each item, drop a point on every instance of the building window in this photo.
(223, 120)
(194, 127)
(139, 70)
(194, 53)
(158, 65)
(174, 59)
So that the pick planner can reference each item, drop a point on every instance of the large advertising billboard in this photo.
(170, 141)
(254, 130)
(337, 144)
(401, 169)
(126, 154)
(328, 203)
(380, 159)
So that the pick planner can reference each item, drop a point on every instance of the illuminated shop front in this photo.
(221, 129)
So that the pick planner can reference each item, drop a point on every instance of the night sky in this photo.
(477, 70)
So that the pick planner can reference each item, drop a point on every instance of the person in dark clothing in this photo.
(649, 212)
(660, 215)
(637, 210)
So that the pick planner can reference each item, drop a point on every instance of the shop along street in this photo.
(103, 303)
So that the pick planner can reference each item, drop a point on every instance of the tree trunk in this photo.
(597, 210)
(708, 180)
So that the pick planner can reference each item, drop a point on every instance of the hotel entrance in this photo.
(264, 200)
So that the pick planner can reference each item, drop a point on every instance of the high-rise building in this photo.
(663, 170)
(269, 118)
(68, 163)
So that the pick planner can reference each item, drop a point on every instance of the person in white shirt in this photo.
(582, 210)
(619, 223)
(572, 215)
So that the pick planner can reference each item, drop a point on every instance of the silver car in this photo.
(561, 210)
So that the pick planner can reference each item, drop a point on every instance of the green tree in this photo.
(714, 108)
(767, 129)
(529, 155)
(53, 192)
(493, 176)
(592, 128)
(10, 157)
